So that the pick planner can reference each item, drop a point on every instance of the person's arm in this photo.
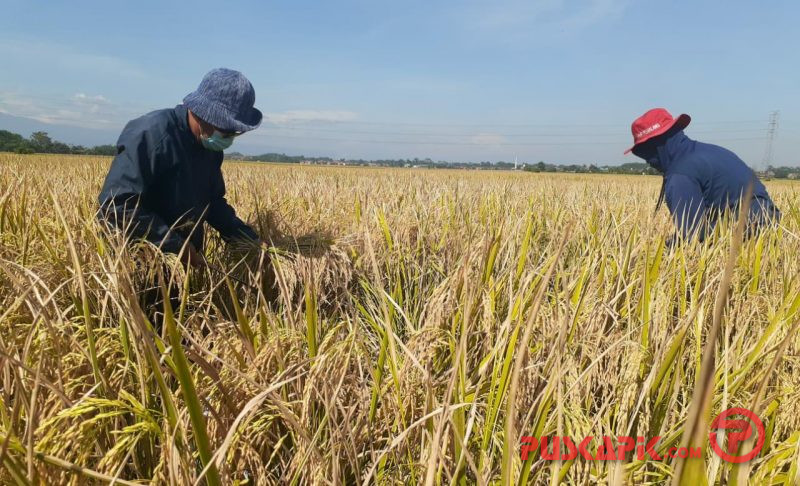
(131, 174)
(684, 199)
(222, 216)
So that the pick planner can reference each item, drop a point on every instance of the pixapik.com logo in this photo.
(736, 424)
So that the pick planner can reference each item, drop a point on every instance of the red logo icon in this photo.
(738, 430)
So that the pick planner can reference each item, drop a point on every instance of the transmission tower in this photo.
(771, 129)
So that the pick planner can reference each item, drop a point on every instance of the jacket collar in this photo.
(182, 115)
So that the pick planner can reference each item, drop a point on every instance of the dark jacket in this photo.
(162, 184)
(703, 180)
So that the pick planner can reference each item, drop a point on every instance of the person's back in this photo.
(178, 177)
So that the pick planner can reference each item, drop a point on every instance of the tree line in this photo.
(634, 168)
(41, 143)
(628, 168)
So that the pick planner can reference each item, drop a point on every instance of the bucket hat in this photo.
(225, 99)
(655, 122)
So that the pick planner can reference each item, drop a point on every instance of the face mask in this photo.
(649, 153)
(216, 141)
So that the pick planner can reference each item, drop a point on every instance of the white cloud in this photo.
(67, 58)
(304, 116)
(93, 104)
(514, 13)
(97, 99)
(79, 110)
(595, 12)
(525, 20)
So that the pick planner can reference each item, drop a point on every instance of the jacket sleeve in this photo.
(686, 205)
(131, 175)
(223, 217)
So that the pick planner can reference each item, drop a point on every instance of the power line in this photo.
(479, 144)
(452, 134)
(497, 125)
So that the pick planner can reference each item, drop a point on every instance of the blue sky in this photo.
(553, 80)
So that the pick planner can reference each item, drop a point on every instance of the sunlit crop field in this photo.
(423, 322)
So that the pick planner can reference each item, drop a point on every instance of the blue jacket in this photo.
(162, 184)
(703, 180)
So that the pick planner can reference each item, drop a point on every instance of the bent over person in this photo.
(166, 178)
(701, 180)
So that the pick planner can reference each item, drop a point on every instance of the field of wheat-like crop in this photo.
(421, 323)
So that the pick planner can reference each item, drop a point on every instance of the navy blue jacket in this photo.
(162, 184)
(702, 180)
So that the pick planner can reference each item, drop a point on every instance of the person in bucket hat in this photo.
(166, 181)
(700, 180)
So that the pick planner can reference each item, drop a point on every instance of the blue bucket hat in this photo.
(225, 99)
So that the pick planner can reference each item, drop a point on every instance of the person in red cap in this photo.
(701, 180)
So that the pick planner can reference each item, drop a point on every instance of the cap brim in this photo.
(229, 122)
(221, 117)
(251, 123)
(680, 122)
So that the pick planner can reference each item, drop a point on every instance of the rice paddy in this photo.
(404, 327)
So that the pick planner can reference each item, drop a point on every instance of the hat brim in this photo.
(221, 117)
(681, 122)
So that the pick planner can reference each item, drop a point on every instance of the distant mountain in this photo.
(69, 134)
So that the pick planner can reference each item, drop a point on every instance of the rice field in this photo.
(404, 327)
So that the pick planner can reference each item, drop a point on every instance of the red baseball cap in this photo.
(655, 122)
